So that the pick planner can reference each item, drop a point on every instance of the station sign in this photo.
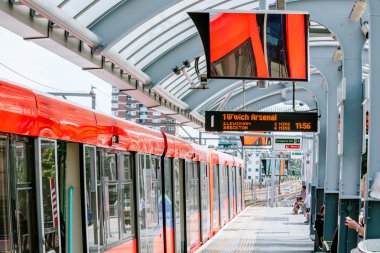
(285, 191)
(296, 155)
(276, 156)
(287, 143)
(261, 121)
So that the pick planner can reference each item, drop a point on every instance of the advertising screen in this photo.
(255, 45)
(255, 141)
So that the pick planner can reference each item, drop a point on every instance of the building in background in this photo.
(126, 107)
(253, 168)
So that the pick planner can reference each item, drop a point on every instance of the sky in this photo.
(30, 65)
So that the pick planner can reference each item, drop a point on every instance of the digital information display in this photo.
(261, 121)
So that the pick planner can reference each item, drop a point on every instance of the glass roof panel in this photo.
(284, 107)
(97, 10)
(154, 55)
(57, 2)
(168, 19)
(163, 20)
(74, 7)
(152, 42)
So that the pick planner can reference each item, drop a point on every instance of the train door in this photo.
(150, 190)
(216, 211)
(17, 201)
(178, 216)
(5, 213)
(22, 173)
(223, 184)
(168, 205)
(192, 205)
(239, 188)
(230, 192)
(116, 203)
(234, 191)
(90, 185)
(47, 196)
(127, 199)
(110, 199)
(205, 201)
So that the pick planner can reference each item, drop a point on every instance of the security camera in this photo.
(186, 63)
(203, 79)
(365, 29)
(176, 70)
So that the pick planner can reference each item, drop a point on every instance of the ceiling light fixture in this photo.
(338, 55)
(357, 10)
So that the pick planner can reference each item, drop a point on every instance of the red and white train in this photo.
(75, 180)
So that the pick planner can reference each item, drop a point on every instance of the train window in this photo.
(24, 175)
(127, 168)
(126, 218)
(112, 213)
(4, 214)
(192, 203)
(127, 223)
(216, 195)
(25, 202)
(110, 166)
(149, 193)
(49, 195)
(238, 62)
(91, 199)
(154, 167)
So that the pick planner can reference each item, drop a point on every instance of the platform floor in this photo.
(262, 229)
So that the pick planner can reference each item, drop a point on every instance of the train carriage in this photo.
(73, 177)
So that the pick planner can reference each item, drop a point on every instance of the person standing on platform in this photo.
(303, 198)
(307, 208)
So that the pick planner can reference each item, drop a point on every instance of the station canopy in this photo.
(155, 49)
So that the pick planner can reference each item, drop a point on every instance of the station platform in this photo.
(262, 229)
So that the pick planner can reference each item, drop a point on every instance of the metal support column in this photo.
(331, 215)
(321, 160)
(320, 193)
(314, 184)
(350, 161)
(273, 178)
(332, 162)
(347, 237)
(372, 206)
(312, 209)
(321, 58)
(334, 15)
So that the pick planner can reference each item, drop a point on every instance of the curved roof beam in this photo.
(303, 95)
(125, 17)
(305, 92)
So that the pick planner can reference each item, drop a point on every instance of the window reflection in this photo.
(115, 200)
(112, 214)
(92, 201)
(4, 215)
(49, 196)
(127, 211)
(24, 201)
(216, 195)
(239, 62)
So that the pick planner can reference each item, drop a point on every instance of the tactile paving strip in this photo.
(239, 235)
(260, 229)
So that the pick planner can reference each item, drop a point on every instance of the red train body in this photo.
(135, 189)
